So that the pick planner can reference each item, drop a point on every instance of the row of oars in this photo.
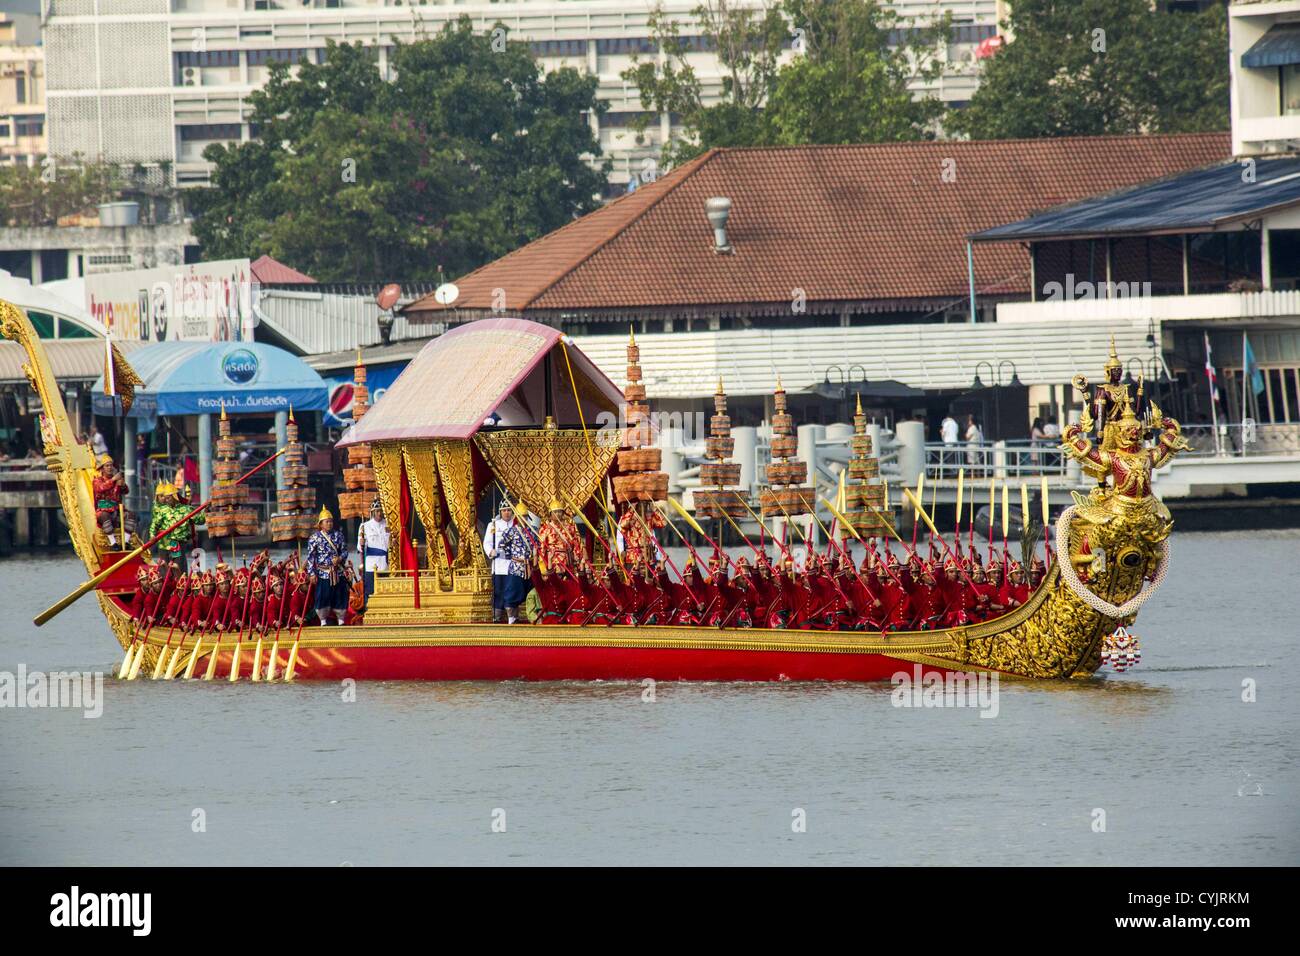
(167, 664)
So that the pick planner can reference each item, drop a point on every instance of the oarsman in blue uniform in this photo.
(372, 546)
(326, 552)
(507, 548)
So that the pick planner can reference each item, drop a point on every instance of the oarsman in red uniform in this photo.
(927, 602)
(581, 591)
(997, 605)
(173, 609)
(766, 593)
(794, 595)
(1037, 571)
(550, 591)
(300, 599)
(252, 621)
(877, 614)
(679, 605)
(979, 609)
(720, 599)
(700, 603)
(1016, 590)
(236, 601)
(741, 596)
(201, 605)
(896, 602)
(652, 602)
(220, 601)
(861, 595)
(822, 612)
(270, 617)
(139, 602)
(958, 599)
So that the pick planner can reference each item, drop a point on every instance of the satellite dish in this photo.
(388, 296)
(446, 294)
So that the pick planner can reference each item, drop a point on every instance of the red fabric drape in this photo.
(410, 558)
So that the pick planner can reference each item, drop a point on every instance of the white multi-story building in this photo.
(22, 89)
(1264, 38)
(156, 81)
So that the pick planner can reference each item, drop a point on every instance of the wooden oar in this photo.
(279, 622)
(248, 593)
(291, 666)
(134, 672)
(261, 623)
(920, 510)
(88, 586)
(161, 662)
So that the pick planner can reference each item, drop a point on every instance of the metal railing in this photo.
(1242, 440)
(1000, 459)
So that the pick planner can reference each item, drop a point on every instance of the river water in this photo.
(1167, 756)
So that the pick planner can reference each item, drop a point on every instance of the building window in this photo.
(620, 120)
(210, 58)
(263, 57)
(558, 47)
(205, 131)
(54, 264)
(43, 324)
(617, 45)
(1291, 90)
(4, 130)
(30, 125)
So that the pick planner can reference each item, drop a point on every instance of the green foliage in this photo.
(39, 195)
(844, 82)
(851, 86)
(1093, 67)
(467, 154)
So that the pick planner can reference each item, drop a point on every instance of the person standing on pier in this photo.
(372, 546)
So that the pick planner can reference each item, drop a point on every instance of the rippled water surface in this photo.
(1184, 770)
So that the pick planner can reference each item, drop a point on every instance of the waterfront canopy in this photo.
(198, 378)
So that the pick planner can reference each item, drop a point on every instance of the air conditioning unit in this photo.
(191, 77)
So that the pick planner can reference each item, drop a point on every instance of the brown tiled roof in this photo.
(871, 226)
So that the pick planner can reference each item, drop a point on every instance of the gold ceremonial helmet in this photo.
(325, 515)
(555, 505)
(1113, 361)
(164, 488)
(103, 460)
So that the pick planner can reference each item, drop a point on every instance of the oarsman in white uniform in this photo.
(507, 547)
(372, 546)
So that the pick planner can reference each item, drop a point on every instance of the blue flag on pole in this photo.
(1251, 367)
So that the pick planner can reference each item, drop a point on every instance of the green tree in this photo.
(39, 195)
(467, 154)
(747, 42)
(851, 84)
(1092, 67)
(843, 82)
